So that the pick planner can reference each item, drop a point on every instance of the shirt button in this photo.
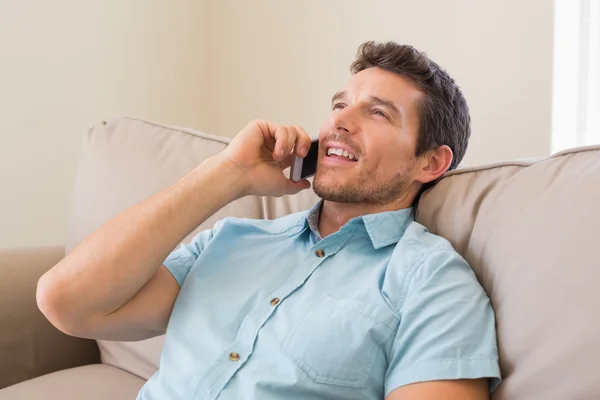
(275, 301)
(320, 253)
(233, 356)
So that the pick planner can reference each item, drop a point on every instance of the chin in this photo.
(328, 188)
(328, 179)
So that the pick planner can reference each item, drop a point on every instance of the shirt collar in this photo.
(312, 218)
(383, 228)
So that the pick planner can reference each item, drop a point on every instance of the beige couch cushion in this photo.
(530, 232)
(29, 345)
(92, 382)
(127, 160)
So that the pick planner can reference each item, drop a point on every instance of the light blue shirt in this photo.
(269, 310)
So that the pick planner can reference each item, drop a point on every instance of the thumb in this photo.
(292, 187)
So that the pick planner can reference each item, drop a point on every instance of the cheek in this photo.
(325, 129)
(389, 157)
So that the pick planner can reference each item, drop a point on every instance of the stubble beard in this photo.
(364, 189)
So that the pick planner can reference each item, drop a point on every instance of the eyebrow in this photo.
(339, 95)
(386, 103)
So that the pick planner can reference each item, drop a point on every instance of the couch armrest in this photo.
(29, 345)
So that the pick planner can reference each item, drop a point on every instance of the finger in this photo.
(286, 162)
(267, 131)
(291, 140)
(281, 142)
(303, 142)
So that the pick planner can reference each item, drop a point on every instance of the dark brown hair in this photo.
(443, 113)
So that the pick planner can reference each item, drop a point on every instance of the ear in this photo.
(434, 164)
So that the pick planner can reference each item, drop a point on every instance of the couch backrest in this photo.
(528, 229)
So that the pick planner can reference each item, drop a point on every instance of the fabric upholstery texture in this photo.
(29, 345)
(90, 382)
(530, 232)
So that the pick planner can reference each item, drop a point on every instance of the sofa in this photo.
(529, 229)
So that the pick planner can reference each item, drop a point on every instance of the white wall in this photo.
(66, 64)
(214, 65)
(283, 60)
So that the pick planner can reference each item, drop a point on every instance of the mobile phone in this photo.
(307, 166)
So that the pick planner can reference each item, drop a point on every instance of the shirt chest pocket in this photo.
(337, 341)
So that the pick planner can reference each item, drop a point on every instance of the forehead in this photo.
(383, 84)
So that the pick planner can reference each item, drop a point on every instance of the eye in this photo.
(338, 106)
(377, 111)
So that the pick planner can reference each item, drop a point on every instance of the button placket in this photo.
(231, 361)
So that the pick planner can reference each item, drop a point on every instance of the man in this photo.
(351, 300)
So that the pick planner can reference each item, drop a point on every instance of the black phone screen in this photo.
(309, 165)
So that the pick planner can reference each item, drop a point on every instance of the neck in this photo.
(335, 215)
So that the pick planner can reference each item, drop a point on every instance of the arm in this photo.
(466, 389)
(113, 281)
(113, 285)
(445, 345)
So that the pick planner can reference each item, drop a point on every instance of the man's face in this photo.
(367, 147)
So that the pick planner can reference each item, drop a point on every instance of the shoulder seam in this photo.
(409, 276)
(411, 272)
(410, 243)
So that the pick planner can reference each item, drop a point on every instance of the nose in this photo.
(344, 121)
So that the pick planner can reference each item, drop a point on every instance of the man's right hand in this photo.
(261, 151)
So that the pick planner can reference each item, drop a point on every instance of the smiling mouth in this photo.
(341, 153)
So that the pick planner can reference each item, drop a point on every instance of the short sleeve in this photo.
(180, 261)
(447, 326)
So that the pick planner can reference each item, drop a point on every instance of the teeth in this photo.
(341, 153)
